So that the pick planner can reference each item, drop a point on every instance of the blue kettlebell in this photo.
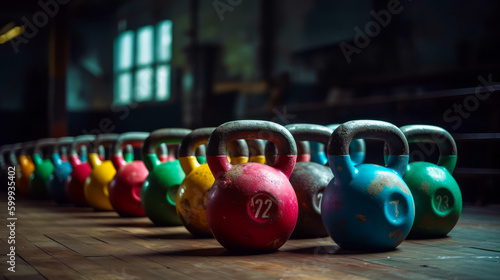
(57, 180)
(368, 207)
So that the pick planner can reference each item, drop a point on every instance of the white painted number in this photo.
(396, 203)
(440, 199)
(317, 207)
(320, 197)
(265, 215)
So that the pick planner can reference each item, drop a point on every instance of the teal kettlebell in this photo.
(57, 180)
(438, 200)
(368, 207)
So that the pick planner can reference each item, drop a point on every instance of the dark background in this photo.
(278, 60)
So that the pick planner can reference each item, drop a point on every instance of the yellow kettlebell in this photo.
(103, 172)
(193, 191)
(27, 168)
(256, 149)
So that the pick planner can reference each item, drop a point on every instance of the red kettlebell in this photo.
(251, 206)
(125, 188)
(75, 183)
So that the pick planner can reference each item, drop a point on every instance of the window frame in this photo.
(134, 69)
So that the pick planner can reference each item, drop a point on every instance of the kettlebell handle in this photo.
(256, 147)
(62, 142)
(342, 136)
(39, 145)
(27, 148)
(104, 140)
(42, 143)
(303, 151)
(436, 135)
(164, 135)
(82, 140)
(5, 149)
(191, 144)
(135, 139)
(251, 129)
(302, 133)
(305, 133)
(256, 150)
(155, 139)
(14, 153)
(357, 148)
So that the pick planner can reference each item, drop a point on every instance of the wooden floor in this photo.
(55, 242)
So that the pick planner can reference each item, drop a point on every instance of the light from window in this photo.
(125, 49)
(142, 64)
(163, 82)
(164, 33)
(124, 88)
(143, 84)
(145, 45)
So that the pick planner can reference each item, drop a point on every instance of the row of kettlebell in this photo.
(254, 206)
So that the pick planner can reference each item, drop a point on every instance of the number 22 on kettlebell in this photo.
(251, 206)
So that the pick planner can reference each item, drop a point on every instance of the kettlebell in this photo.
(357, 148)
(75, 183)
(318, 154)
(438, 200)
(309, 180)
(125, 188)
(43, 169)
(367, 207)
(4, 151)
(63, 153)
(303, 152)
(171, 152)
(13, 160)
(101, 174)
(160, 187)
(251, 206)
(256, 150)
(62, 169)
(26, 168)
(4, 166)
(192, 195)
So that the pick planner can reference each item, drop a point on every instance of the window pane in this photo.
(163, 83)
(123, 86)
(164, 41)
(124, 48)
(143, 84)
(145, 45)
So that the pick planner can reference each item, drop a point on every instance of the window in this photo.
(142, 64)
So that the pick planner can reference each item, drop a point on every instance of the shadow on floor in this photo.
(175, 235)
(207, 252)
(129, 224)
(329, 250)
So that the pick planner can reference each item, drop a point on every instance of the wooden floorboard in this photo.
(63, 242)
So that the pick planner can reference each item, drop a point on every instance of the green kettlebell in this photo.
(160, 187)
(43, 169)
(438, 200)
